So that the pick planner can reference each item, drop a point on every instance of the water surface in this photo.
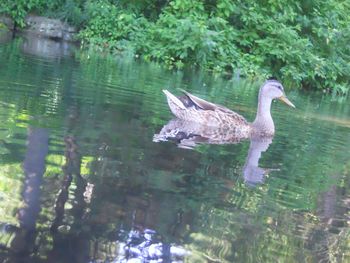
(83, 180)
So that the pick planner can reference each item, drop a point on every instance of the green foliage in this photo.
(304, 43)
(18, 9)
(67, 10)
(2, 26)
(71, 11)
(109, 27)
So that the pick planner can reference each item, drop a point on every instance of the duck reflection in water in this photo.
(252, 173)
(188, 135)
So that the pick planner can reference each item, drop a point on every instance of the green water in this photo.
(82, 178)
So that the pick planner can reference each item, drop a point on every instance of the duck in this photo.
(194, 109)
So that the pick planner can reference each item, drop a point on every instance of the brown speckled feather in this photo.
(192, 108)
(189, 134)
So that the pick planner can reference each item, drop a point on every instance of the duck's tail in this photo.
(173, 101)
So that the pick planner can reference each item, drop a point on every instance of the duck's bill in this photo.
(286, 101)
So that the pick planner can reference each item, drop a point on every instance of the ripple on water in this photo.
(106, 111)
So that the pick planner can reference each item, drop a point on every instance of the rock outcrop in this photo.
(42, 26)
(50, 28)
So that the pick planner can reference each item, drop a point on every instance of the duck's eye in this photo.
(278, 86)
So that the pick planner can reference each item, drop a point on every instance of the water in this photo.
(83, 178)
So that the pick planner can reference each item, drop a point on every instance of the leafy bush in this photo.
(111, 27)
(67, 10)
(71, 11)
(18, 9)
(304, 43)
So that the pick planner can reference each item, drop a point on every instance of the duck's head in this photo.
(274, 90)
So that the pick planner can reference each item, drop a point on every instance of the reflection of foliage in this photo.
(208, 248)
(193, 197)
(10, 187)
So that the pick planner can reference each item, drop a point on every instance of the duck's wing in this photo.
(206, 105)
(200, 103)
(189, 134)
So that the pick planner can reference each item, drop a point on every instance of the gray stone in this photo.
(50, 28)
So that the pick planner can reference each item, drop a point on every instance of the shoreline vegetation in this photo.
(302, 43)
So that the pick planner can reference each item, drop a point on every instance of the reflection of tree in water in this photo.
(124, 209)
(70, 245)
(136, 199)
(24, 236)
(332, 233)
(322, 244)
(119, 223)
